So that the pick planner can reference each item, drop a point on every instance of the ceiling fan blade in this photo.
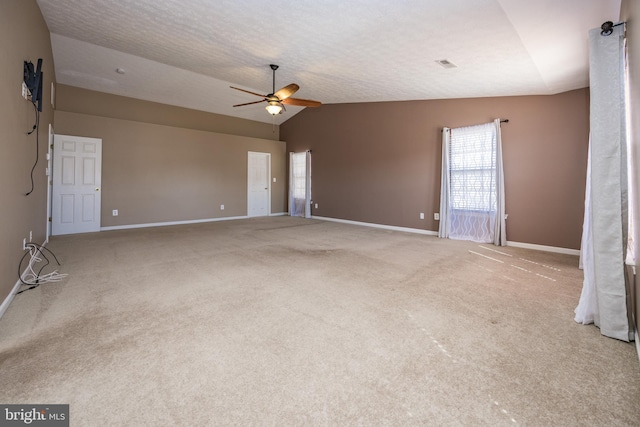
(248, 91)
(249, 103)
(301, 102)
(286, 91)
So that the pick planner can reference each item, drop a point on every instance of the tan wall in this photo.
(154, 173)
(380, 162)
(23, 36)
(631, 14)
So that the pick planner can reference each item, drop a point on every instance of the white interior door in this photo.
(258, 184)
(77, 168)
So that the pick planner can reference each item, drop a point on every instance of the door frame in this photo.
(49, 173)
(267, 158)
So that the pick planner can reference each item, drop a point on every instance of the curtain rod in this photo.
(607, 28)
(501, 121)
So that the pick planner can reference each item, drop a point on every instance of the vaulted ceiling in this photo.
(188, 52)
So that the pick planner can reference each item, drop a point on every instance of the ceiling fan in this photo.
(276, 99)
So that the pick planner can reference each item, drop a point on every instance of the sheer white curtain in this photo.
(445, 196)
(472, 185)
(604, 294)
(300, 184)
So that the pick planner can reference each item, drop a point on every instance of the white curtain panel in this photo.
(588, 305)
(443, 229)
(604, 296)
(472, 184)
(500, 226)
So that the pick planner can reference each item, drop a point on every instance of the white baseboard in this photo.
(544, 248)
(7, 301)
(190, 221)
(383, 226)
(637, 346)
(435, 233)
(164, 224)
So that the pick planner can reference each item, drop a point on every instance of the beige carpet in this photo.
(285, 321)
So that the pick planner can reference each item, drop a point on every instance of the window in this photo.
(473, 169)
(299, 172)
(300, 184)
(472, 186)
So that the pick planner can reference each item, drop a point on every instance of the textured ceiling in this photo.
(188, 52)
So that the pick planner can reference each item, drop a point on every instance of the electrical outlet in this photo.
(274, 179)
(30, 236)
(221, 207)
(421, 215)
(436, 216)
(114, 212)
(316, 206)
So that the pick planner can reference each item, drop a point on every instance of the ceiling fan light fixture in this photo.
(274, 107)
(277, 98)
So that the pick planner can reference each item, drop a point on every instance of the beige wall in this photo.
(380, 162)
(631, 14)
(154, 173)
(77, 100)
(162, 163)
(23, 36)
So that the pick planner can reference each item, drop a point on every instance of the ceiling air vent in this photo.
(446, 63)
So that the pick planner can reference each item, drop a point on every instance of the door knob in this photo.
(97, 188)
